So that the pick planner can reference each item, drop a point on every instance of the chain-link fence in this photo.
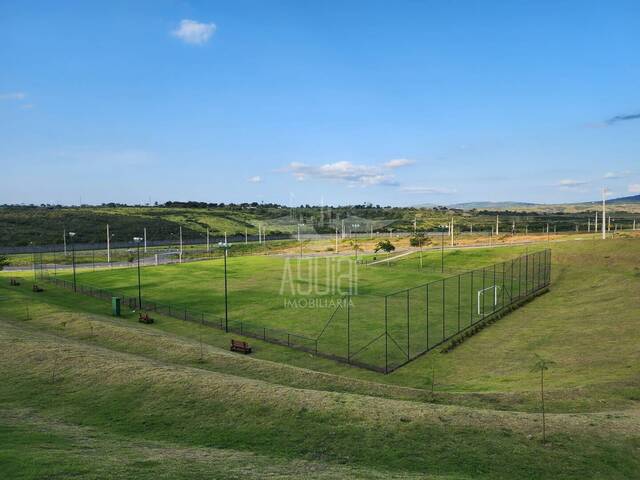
(380, 332)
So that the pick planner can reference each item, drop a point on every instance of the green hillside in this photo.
(85, 394)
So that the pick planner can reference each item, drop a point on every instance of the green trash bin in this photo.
(115, 306)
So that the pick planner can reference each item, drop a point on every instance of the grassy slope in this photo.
(597, 369)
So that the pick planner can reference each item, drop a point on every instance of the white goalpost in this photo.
(169, 256)
(481, 292)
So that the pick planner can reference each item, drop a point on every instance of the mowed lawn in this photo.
(299, 300)
(87, 395)
(297, 295)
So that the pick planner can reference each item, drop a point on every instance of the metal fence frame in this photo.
(531, 273)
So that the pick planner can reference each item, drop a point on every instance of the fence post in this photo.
(386, 338)
(504, 270)
(495, 296)
(526, 275)
(427, 308)
(471, 302)
(408, 332)
(459, 275)
(348, 331)
(483, 287)
(443, 308)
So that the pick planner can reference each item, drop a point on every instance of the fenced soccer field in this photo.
(365, 326)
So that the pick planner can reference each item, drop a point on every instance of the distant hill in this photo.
(631, 199)
(493, 205)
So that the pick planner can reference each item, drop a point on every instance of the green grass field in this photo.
(88, 395)
(339, 302)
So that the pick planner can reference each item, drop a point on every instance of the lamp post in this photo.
(73, 259)
(138, 240)
(442, 230)
(225, 246)
(33, 259)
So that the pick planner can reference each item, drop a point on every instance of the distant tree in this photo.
(541, 365)
(4, 262)
(386, 246)
(356, 247)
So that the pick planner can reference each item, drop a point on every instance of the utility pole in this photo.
(246, 236)
(589, 225)
(108, 245)
(180, 243)
(336, 239)
(208, 247)
(451, 231)
(497, 225)
(64, 239)
(595, 228)
(137, 240)
(145, 239)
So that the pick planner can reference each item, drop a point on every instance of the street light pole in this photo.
(73, 259)
(138, 240)
(225, 246)
(442, 251)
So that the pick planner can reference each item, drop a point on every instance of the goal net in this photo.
(487, 297)
(169, 256)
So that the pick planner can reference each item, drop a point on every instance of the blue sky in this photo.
(400, 103)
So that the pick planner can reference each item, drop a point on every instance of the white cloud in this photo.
(348, 172)
(634, 188)
(353, 174)
(399, 162)
(428, 190)
(13, 96)
(255, 179)
(570, 183)
(194, 33)
(612, 175)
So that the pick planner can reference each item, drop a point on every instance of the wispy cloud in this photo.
(571, 183)
(255, 179)
(399, 162)
(634, 188)
(13, 96)
(614, 175)
(428, 190)
(351, 173)
(194, 33)
(623, 118)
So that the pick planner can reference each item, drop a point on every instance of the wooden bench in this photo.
(36, 288)
(145, 318)
(238, 346)
(13, 282)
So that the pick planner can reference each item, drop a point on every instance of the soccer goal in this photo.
(169, 256)
(493, 289)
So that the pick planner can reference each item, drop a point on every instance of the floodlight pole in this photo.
(442, 250)
(108, 245)
(145, 239)
(225, 246)
(73, 259)
(138, 240)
